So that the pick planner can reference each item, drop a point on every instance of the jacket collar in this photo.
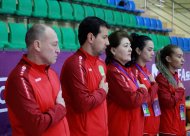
(144, 68)
(175, 75)
(89, 57)
(34, 65)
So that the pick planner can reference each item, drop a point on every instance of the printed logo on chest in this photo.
(38, 79)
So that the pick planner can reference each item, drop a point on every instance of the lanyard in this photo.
(140, 69)
(120, 68)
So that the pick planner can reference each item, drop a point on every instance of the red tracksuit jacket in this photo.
(125, 116)
(151, 124)
(85, 101)
(170, 99)
(30, 94)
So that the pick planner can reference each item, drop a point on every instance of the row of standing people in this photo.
(136, 104)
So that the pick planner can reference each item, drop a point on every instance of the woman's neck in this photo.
(141, 63)
(172, 69)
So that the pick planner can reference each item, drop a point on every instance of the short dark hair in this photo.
(115, 40)
(34, 33)
(92, 25)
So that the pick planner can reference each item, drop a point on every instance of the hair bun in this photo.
(134, 35)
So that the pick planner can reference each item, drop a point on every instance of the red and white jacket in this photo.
(125, 116)
(30, 94)
(170, 99)
(152, 122)
(85, 101)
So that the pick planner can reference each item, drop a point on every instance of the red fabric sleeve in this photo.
(75, 83)
(21, 101)
(168, 95)
(123, 94)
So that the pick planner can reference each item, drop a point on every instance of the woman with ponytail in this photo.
(142, 53)
(171, 91)
(126, 95)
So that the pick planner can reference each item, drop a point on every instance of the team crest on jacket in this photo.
(101, 70)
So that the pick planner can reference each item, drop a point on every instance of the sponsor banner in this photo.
(9, 59)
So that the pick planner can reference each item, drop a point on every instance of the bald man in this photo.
(32, 92)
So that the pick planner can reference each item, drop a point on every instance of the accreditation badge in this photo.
(145, 109)
(156, 108)
(182, 111)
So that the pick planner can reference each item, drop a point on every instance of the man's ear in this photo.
(138, 51)
(90, 37)
(168, 59)
(37, 45)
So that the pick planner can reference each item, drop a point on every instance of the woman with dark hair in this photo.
(142, 52)
(126, 95)
(171, 91)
